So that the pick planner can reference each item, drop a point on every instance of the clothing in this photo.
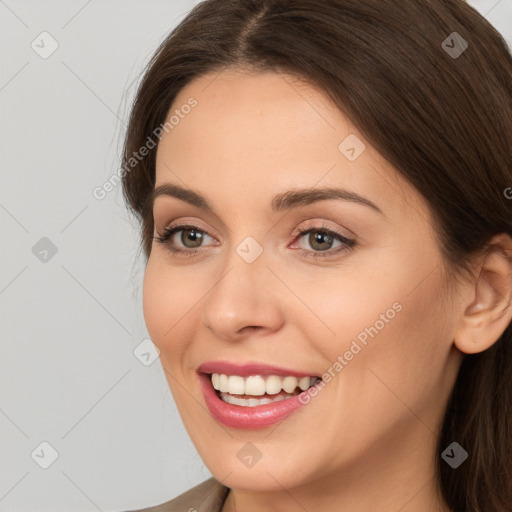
(208, 496)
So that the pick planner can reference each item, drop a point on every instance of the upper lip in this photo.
(244, 370)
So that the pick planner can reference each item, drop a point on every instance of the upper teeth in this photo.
(257, 385)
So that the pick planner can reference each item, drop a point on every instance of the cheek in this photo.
(392, 319)
(166, 306)
(345, 306)
(407, 357)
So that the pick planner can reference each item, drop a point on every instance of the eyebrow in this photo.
(281, 202)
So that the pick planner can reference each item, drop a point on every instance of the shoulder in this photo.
(208, 496)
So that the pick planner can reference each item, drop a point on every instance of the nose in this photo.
(247, 299)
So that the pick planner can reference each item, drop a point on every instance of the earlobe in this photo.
(489, 312)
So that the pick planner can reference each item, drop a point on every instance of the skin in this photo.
(367, 441)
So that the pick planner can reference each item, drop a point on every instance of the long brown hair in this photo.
(436, 105)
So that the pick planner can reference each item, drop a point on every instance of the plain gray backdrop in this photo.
(87, 423)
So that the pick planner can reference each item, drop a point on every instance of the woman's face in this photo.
(251, 289)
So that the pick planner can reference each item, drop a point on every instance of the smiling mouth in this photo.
(255, 390)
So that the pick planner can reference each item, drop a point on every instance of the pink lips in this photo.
(241, 417)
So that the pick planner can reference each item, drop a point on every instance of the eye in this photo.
(320, 240)
(191, 238)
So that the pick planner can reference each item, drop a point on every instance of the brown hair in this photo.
(443, 120)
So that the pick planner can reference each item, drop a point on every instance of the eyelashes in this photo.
(346, 243)
(166, 238)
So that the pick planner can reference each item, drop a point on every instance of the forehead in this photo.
(254, 131)
(241, 112)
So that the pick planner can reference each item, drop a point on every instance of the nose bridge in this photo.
(242, 296)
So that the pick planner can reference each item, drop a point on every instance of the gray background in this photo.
(71, 321)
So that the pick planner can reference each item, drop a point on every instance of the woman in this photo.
(324, 190)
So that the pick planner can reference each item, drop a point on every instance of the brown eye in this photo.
(189, 240)
(194, 236)
(320, 240)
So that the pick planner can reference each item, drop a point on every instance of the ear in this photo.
(489, 309)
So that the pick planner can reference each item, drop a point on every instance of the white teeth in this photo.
(273, 385)
(251, 402)
(290, 383)
(304, 383)
(223, 383)
(254, 385)
(236, 385)
(258, 385)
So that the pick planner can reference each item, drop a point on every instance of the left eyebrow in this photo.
(281, 202)
(297, 198)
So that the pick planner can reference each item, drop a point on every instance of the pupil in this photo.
(318, 238)
(192, 235)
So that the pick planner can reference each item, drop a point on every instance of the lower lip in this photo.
(238, 416)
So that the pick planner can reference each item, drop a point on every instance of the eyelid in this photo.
(314, 225)
(310, 224)
(348, 243)
(192, 223)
